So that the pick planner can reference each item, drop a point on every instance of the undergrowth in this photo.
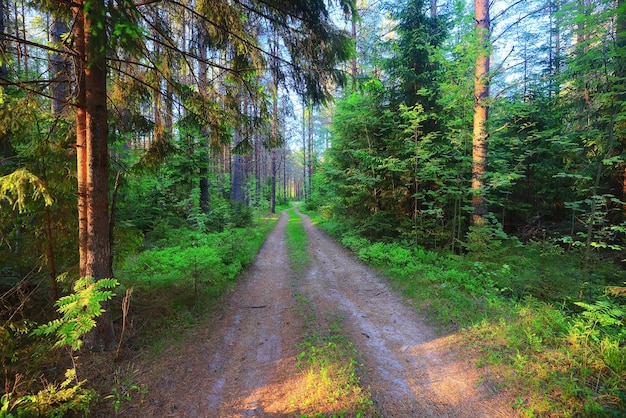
(545, 330)
(175, 284)
(174, 287)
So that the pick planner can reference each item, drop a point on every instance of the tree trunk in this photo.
(304, 108)
(310, 157)
(273, 180)
(274, 139)
(620, 29)
(59, 68)
(274, 167)
(354, 67)
(81, 134)
(257, 172)
(3, 67)
(205, 157)
(237, 180)
(481, 95)
(93, 161)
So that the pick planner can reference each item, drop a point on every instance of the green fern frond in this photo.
(78, 311)
(603, 312)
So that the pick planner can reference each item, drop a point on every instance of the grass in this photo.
(296, 241)
(328, 358)
(328, 361)
(543, 329)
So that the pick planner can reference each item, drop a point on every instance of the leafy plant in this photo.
(78, 311)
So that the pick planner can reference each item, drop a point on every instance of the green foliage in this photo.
(187, 272)
(78, 311)
(54, 400)
(15, 187)
(603, 317)
(369, 165)
(123, 390)
(560, 354)
(214, 258)
(330, 363)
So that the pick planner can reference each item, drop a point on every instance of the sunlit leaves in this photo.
(17, 186)
(78, 311)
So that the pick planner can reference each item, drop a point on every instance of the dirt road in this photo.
(241, 362)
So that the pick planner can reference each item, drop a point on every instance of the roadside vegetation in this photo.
(544, 330)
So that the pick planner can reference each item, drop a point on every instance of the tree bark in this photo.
(59, 68)
(481, 96)
(205, 157)
(304, 109)
(81, 134)
(237, 181)
(93, 159)
(3, 67)
(310, 156)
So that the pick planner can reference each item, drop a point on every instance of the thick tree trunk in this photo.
(59, 89)
(93, 160)
(481, 95)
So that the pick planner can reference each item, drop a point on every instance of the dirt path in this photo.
(241, 362)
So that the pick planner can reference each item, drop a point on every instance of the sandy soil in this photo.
(241, 361)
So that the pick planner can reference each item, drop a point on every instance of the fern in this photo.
(78, 311)
(603, 312)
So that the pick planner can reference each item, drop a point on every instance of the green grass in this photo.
(328, 362)
(544, 328)
(296, 241)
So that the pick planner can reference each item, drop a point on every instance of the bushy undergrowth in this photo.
(547, 330)
(176, 282)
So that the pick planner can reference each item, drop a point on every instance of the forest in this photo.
(472, 152)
